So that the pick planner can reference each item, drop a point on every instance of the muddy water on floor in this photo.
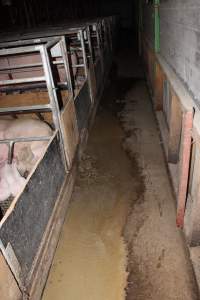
(159, 266)
(91, 258)
(122, 213)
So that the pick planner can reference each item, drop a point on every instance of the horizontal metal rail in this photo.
(11, 143)
(27, 45)
(16, 67)
(25, 49)
(25, 109)
(25, 139)
(78, 66)
(22, 80)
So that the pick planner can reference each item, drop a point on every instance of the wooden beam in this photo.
(174, 130)
(184, 166)
(9, 289)
(158, 87)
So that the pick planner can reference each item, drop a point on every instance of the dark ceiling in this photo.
(31, 13)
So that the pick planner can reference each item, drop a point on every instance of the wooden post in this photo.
(9, 289)
(174, 130)
(158, 87)
(184, 166)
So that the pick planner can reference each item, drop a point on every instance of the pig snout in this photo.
(11, 182)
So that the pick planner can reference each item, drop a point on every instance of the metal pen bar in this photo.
(25, 139)
(25, 109)
(64, 51)
(84, 53)
(26, 49)
(53, 98)
(16, 67)
(25, 42)
(52, 43)
(76, 48)
(22, 80)
(11, 143)
(10, 152)
(78, 66)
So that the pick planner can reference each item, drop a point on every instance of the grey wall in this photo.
(180, 40)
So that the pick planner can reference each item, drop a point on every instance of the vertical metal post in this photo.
(99, 47)
(53, 98)
(84, 52)
(63, 48)
(90, 43)
(157, 25)
(110, 35)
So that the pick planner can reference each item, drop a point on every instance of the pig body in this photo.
(25, 154)
(11, 182)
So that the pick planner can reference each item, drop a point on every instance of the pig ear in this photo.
(25, 154)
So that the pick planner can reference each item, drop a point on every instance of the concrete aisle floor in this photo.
(120, 227)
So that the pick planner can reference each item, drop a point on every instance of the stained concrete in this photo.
(179, 39)
(120, 238)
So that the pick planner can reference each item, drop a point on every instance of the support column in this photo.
(157, 25)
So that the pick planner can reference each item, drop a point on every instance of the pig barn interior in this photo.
(99, 150)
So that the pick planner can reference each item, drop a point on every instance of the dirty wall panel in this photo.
(98, 75)
(82, 105)
(180, 40)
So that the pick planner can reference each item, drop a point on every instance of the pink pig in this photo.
(25, 154)
(11, 182)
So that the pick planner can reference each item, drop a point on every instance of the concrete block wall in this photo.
(180, 40)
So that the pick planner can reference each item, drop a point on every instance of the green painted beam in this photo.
(157, 25)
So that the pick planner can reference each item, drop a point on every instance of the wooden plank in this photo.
(9, 289)
(192, 216)
(184, 166)
(158, 87)
(31, 98)
(174, 130)
(70, 129)
(92, 81)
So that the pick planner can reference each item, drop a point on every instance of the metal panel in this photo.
(98, 75)
(166, 102)
(82, 104)
(25, 225)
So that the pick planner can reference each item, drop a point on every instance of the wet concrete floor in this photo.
(119, 240)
